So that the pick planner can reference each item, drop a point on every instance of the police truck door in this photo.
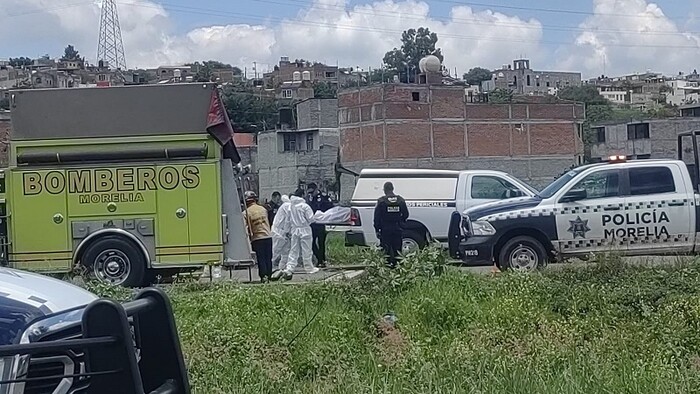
(581, 209)
(658, 210)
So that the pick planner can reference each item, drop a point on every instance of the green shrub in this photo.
(604, 328)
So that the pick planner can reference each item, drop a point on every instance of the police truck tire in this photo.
(115, 260)
(413, 240)
(522, 254)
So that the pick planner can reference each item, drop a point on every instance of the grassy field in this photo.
(339, 254)
(608, 328)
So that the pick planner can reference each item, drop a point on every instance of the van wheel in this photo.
(116, 261)
(412, 241)
(522, 254)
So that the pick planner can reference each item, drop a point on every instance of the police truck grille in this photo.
(53, 365)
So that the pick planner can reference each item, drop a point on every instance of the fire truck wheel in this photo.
(115, 260)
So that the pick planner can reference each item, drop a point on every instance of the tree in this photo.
(325, 90)
(71, 54)
(204, 71)
(203, 74)
(248, 110)
(598, 109)
(20, 61)
(501, 96)
(477, 75)
(216, 65)
(587, 94)
(415, 45)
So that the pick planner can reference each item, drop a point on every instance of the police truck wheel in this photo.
(412, 241)
(522, 254)
(116, 261)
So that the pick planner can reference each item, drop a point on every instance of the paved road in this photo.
(328, 274)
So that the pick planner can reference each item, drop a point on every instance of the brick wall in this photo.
(401, 125)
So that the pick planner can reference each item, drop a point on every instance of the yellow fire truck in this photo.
(126, 182)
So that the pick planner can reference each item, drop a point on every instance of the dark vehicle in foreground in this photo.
(58, 338)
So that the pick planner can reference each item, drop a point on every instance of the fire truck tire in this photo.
(115, 260)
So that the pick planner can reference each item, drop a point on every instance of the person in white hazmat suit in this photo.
(281, 237)
(300, 219)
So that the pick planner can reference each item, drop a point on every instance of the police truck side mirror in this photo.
(574, 195)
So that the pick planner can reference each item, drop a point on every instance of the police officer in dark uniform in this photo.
(390, 214)
(273, 206)
(318, 201)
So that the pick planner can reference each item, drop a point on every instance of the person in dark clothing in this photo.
(390, 214)
(273, 206)
(318, 201)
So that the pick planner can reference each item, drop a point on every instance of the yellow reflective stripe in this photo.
(40, 256)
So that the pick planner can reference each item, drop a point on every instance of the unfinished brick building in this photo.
(437, 126)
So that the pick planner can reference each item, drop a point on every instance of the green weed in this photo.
(603, 328)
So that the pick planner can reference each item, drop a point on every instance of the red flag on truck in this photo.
(219, 126)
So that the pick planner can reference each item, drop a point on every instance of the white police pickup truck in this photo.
(644, 207)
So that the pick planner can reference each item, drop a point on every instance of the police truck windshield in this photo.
(555, 186)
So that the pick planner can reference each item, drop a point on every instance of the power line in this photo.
(467, 21)
(550, 10)
(454, 20)
(110, 47)
(225, 14)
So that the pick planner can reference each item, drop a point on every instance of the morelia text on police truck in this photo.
(104, 185)
(640, 224)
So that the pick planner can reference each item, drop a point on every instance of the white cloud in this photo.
(331, 31)
(327, 30)
(360, 36)
(626, 36)
(39, 26)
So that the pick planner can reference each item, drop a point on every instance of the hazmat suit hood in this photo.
(300, 215)
(285, 199)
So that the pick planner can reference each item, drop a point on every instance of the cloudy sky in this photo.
(591, 36)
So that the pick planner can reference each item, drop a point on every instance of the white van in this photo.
(431, 196)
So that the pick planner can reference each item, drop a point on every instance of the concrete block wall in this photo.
(662, 142)
(285, 171)
(317, 113)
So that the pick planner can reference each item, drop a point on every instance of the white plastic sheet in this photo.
(335, 215)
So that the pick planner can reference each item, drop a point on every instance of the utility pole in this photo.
(110, 47)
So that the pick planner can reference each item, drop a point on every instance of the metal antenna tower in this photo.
(110, 48)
